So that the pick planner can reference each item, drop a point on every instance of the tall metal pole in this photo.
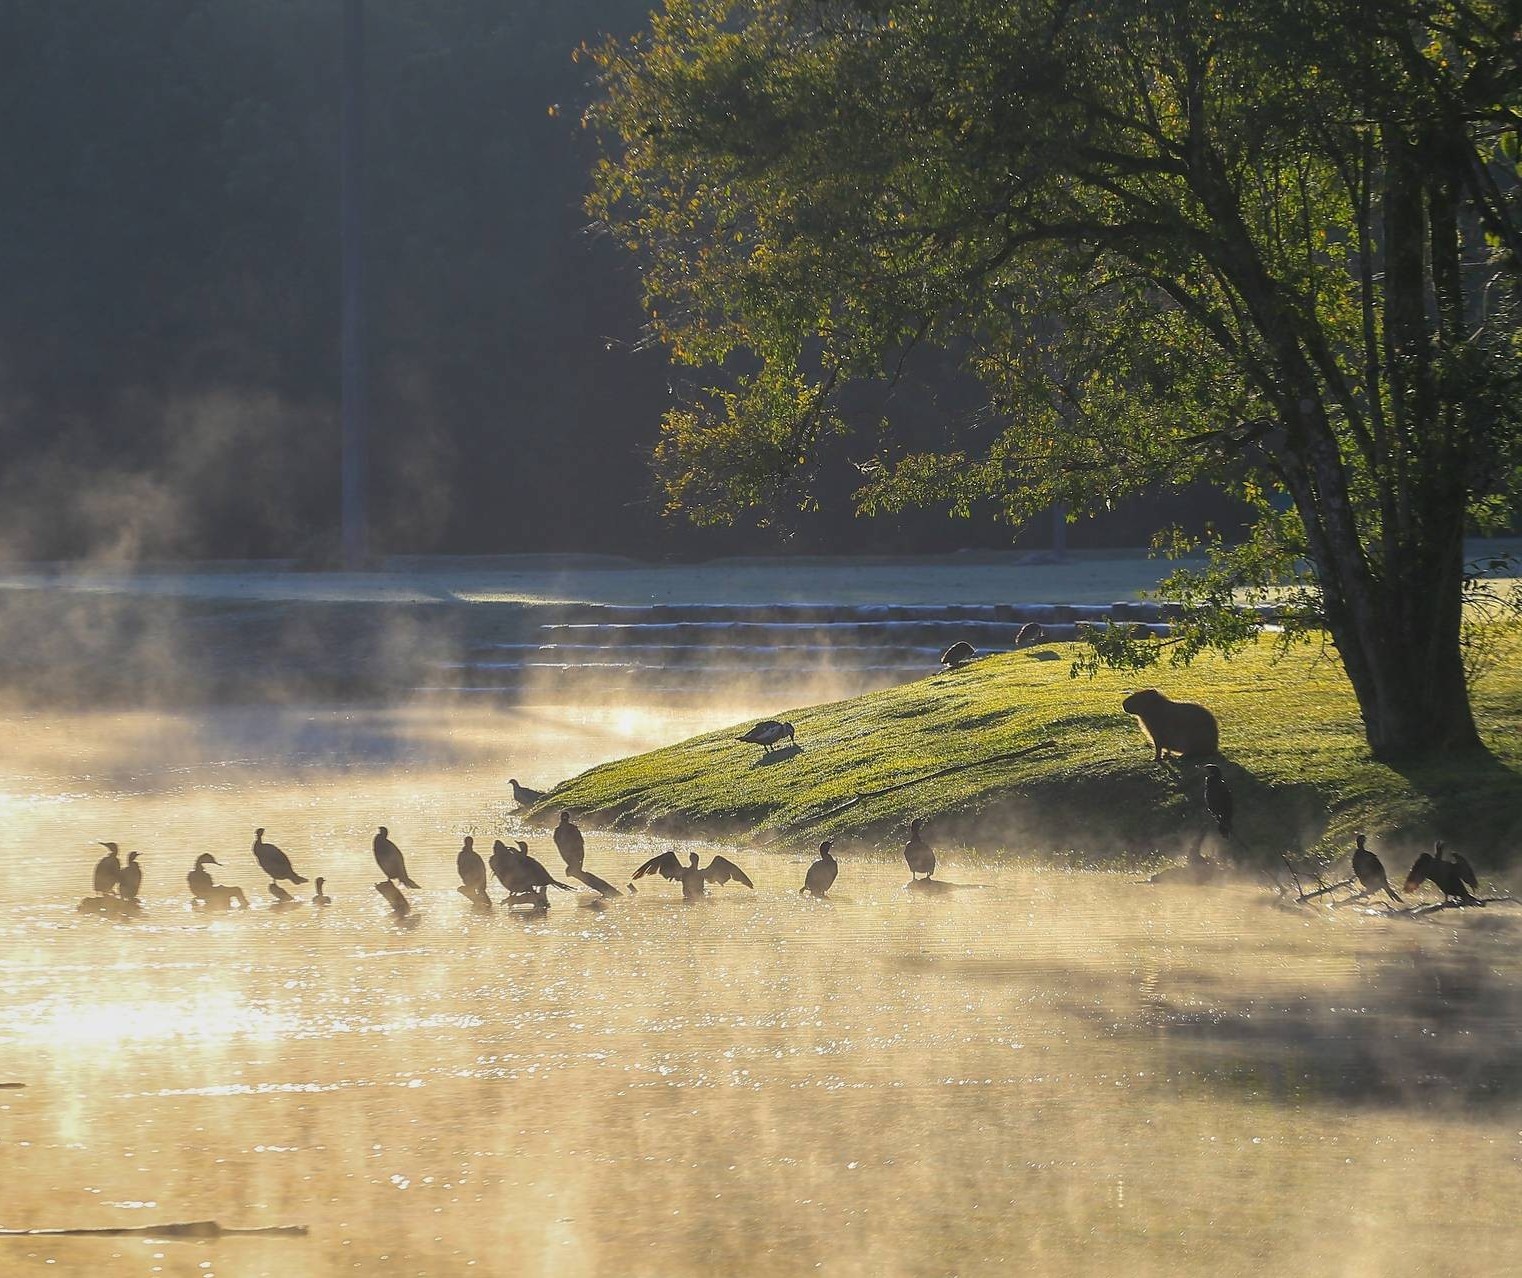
(356, 533)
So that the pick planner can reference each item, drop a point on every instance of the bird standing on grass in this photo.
(108, 870)
(1218, 800)
(821, 876)
(694, 880)
(769, 732)
(273, 861)
(522, 795)
(1370, 870)
(919, 854)
(130, 882)
(389, 857)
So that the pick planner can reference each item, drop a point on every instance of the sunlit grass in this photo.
(1293, 742)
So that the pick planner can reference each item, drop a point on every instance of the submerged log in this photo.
(183, 1229)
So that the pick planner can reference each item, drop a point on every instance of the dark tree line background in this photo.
(169, 300)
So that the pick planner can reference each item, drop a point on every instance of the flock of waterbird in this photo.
(118, 885)
(526, 880)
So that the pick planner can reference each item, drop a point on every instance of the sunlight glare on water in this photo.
(1063, 1072)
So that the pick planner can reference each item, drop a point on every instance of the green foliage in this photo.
(1172, 242)
(1294, 756)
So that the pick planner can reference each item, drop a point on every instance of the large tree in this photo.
(1272, 243)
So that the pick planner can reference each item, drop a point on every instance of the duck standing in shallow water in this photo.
(389, 857)
(1369, 870)
(108, 870)
(130, 883)
(319, 897)
(821, 876)
(919, 854)
(273, 861)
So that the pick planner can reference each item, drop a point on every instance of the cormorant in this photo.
(693, 879)
(919, 854)
(572, 847)
(767, 733)
(821, 875)
(472, 870)
(320, 897)
(130, 882)
(522, 795)
(399, 904)
(389, 857)
(505, 866)
(536, 875)
(108, 870)
(199, 880)
(959, 654)
(1218, 799)
(273, 861)
(1466, 871)
(1452, 878)
(1370, 871)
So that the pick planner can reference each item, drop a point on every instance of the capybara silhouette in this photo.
(1173, 727)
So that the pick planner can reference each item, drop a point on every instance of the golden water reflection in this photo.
(1064, 1073)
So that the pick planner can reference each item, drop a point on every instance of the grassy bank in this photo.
(1294, 752)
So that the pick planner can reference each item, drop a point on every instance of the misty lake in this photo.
(1063, 1073)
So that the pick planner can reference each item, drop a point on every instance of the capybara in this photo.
(1173, 727)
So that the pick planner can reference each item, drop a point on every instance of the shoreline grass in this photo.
(1292, 744)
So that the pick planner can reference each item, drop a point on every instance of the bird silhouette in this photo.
(694, 880)
(821, 875)
(389, 857)
(1370, 871)
(130, 882)
(570, 844)
(319, 897)
(273, 861)
(472, 871)
(1218, 801)
(1452, 878)
(108, 870)
(522, 795)
(919, 854)
(199, 879)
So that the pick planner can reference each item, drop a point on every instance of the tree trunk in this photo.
(1399, 638)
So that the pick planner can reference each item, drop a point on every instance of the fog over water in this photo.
(1065, 1072)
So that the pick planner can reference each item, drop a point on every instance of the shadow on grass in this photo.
(777, 756)
(1476, 801)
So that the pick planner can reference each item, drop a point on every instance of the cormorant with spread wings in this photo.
(693, 879)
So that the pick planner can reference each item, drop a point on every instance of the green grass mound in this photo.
(1292, 744)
